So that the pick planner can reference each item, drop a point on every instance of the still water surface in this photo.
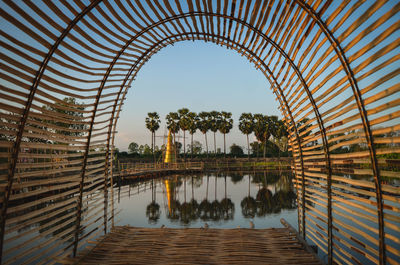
(229, 200)
(224, 200)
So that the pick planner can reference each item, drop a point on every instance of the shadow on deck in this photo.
(132, 245)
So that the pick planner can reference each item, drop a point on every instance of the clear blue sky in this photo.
(200, 76)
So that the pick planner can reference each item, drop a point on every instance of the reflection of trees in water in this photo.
(205, 207)
(248, 204)
(178, 180)
(266, 202)
(173, 214)
(206, 211)
(284, 183)
(249, 207)
(188, 212)
(227, 209)
(215, 213)
(236, 177)
(153, 209)
(266, 177)
(197, 181)
(287, 199)
(262, 204)
(153, 212)
(227, 206)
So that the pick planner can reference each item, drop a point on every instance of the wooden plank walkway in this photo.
(132, 245)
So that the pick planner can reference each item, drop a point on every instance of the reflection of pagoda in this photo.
(170, 193)
(170, 150)
(173, 203)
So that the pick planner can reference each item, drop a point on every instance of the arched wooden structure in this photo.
(333, 66)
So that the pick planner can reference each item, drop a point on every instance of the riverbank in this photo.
(128, 170)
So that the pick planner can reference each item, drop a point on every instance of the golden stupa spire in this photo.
(169, 153)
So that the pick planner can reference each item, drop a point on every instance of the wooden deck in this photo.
(131, 245)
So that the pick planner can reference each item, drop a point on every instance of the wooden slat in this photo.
(332, 63)
(152, 244)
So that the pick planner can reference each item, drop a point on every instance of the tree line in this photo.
(263, 126)
(188, 121)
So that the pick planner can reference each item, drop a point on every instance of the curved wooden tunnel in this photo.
(333, 66)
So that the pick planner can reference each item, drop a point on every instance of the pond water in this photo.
(223, 200)
(231, 200)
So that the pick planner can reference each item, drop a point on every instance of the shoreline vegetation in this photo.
(223, 164)
(139, 171)
(202, 164)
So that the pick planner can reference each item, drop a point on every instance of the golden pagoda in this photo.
(170, 152)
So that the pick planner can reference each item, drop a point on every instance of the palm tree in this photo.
(264, 127)
(246, 126)
(281, 137)
(193, 122)
(153, 124)
(281, 129)
(214, 119)
(225, 125)
(203, 125)
(173, 125)
(272, 129)
(184, 123)
(260, 127)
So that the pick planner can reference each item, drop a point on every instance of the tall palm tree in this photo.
(281, 137)
(264, 127)
(272, 129)
(153, 124)
(260, 127)
(193, 122)
(204, 125)
(184, 123)
(246, 126)
(214, 119)
(173, 125)
(225, 125)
